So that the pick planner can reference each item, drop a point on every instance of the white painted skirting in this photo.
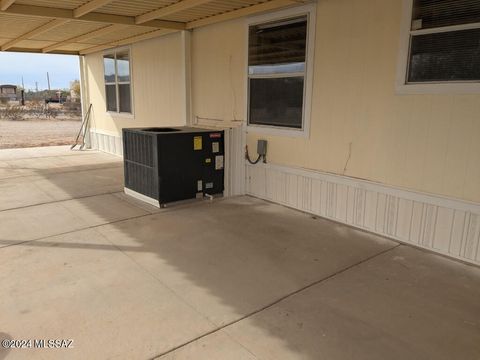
(444, 225)
(106, 142)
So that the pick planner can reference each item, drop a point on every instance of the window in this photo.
(278, 85)
(117, 81)
(443, 42)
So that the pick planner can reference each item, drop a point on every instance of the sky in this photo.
(34, 67)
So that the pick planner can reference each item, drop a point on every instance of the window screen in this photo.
(111, 97)
(444, 41)
(276, 69)
(117, 81)
(438, 13)
(447, 56)
(277, 101)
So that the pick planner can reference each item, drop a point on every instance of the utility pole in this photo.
(22, 93)
(48, 81)
(36, 86)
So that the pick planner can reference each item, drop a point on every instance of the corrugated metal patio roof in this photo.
(82, 27)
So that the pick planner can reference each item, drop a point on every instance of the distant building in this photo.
(8, 91)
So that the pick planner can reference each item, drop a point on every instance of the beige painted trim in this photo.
(168, 10)
(50, 12)
(89, 7)
(401, 86)
(187, 77)
(77, 39)
(127, 41)
(5, 4)
(270, 5)
(41, 29)
(85, 98)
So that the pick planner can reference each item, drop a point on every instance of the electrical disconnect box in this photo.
(262, 147)
(164, 165)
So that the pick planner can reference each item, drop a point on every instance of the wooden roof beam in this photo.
(250, 10)
(58, 13)
(89, 7)
(90, 35)
(5, 4)
(41, 29)
(39, 51)
(168, 10)
(127, 41)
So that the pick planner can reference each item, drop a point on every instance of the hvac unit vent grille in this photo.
(141, 178)
(139, 151)
(139, 148)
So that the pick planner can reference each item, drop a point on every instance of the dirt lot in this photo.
(37, 132)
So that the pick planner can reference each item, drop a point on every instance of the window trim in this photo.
(310, 11)
(401, 85)
(132, 102)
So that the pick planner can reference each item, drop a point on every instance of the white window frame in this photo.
(118, 113)
(310, 11)
(446, 87)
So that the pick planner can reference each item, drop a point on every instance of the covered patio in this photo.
(356, 238)
(236, 278)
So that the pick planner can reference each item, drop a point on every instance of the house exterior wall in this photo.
(403, 166)
(157, 91)
(219, 63)
(421, 142)
(8, 90)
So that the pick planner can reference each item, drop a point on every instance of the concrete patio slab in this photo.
(38, 152)
(235, 278)
(218, 346)
(34, 190)
(56, 164)
(403, 304)
(35, 222)
(230, 258)
(79, 286)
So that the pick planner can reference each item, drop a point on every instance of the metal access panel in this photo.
(164, 165)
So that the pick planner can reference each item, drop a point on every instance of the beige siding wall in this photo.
(157, 70)
(218, 71)
(422, 142)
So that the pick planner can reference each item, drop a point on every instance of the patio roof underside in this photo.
(82, 27)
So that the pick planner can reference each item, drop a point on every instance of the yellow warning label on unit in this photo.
(197, 143)
(208, 160)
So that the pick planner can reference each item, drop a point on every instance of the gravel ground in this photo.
(35, 132)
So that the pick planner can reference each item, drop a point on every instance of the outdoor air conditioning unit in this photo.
(164, 165)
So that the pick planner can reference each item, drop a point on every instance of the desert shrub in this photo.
(36, 110)
(13, 113)
(51, 113)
